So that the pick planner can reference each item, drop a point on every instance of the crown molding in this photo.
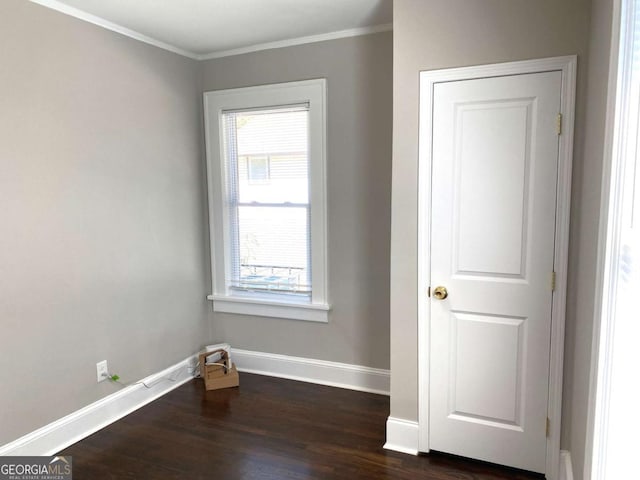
(101, 22)
(114, 27)
(353, 32)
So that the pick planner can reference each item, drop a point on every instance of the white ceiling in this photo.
(206, 27)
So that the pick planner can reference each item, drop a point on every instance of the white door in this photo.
(495, 163)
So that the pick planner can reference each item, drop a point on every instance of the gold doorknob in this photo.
(440, 293)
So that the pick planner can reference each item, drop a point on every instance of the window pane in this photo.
(273, 249)
(283, 138)
(267, 170)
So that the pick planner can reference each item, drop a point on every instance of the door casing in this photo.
(567, 66)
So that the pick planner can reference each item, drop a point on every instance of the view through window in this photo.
(267, 199)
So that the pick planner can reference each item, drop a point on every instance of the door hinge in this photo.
(559, 124)
(429, 292)
(553, 281)
(548, 427)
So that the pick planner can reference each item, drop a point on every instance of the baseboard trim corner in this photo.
(333, 374)
(402, 436)
(66, 431)
(566, 468)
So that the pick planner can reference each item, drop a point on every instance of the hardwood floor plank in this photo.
(267, 429)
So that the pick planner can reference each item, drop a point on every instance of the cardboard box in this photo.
(218, 375)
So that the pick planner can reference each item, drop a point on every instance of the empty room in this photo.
(311, 239)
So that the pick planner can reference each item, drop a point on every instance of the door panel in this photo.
(493, 138)
(495, 156)
(486, 371)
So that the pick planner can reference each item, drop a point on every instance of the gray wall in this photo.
(359, 81)
(103, 243)
(450, 33)
(584, 248)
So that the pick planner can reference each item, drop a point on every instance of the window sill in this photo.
(269, 308)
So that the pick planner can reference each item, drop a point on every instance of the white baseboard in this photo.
(402, 436)
(334, 374)
(68, 430)
(566, 469)
(72, 428)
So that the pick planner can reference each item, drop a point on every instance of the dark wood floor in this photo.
(267, 429)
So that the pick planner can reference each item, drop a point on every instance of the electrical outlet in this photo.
(102, 371)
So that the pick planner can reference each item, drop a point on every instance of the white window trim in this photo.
(225, 300)
(600, 377)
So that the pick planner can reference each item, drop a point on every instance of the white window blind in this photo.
(266, 165)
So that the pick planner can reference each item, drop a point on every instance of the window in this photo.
(266, 174)
(617, 332)
(268, 220)
(258, 169)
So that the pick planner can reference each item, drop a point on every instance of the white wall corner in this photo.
(66, 431)
(402, 436)
(566, 469)
(333, 374)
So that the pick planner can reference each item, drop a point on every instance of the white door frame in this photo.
(567, 65)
